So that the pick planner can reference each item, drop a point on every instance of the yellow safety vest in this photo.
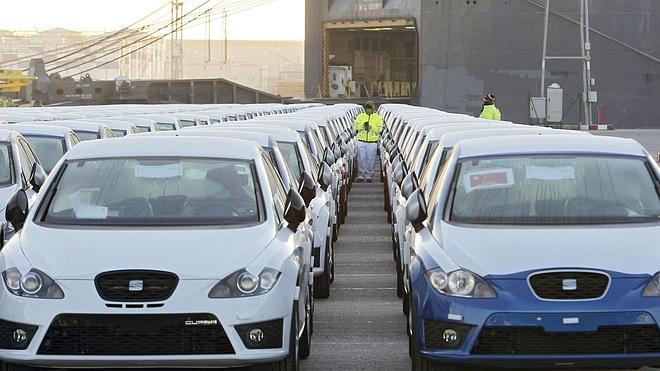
(375, 127)
(491, 112)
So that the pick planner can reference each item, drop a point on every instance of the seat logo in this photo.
(569, 284)
(201, 322)
(135, 285)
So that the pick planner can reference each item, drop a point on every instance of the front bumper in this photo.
(520, 330)
(189, 298)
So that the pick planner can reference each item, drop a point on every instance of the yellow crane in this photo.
(11, 82)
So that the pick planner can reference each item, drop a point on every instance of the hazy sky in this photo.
(276, 20)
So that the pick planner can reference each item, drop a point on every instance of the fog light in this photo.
(20, 336)
(450, 336)
(256, 335)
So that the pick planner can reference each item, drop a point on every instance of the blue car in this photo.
(537, 251)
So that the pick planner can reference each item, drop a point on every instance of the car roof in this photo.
(453, 137)
(279, 133)
(41, 128)
(77, 125)
(263, 139)
(549, 144)
(5, 135)
(156, 145)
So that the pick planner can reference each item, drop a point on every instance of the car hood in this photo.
(488, 251)
(190, 253)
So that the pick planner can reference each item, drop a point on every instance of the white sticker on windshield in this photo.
(83, 196)
(551, 172)
(488, 179)
(91, 212)
(159, 171)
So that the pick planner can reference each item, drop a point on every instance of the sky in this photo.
(276, 20)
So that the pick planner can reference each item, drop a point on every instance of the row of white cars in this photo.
(521, 246)
(199, 245)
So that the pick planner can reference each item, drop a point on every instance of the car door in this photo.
(301, 238)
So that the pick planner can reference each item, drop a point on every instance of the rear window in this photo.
(49, 149)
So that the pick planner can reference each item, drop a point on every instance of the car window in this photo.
(6, 167)
(166, 126)
(25, 161)
(187, 123)
(119, 133)
(154, 192)
(144, 129)
(87, 135)
(49, 149)
(292, 157)
(276, 188)
(555, 190)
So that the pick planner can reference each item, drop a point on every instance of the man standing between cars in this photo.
(489, 110)
(368, 126)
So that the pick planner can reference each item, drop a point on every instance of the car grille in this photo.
(559, 285)
(135, 335)
(534, 340)
(155, 285)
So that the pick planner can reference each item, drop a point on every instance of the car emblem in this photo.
(135, 285)
(569, 284)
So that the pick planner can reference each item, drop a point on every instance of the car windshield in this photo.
(87, 135)
(49, 149)
(187, 123)
(555, 190)
(119, 133)
(6, 169)
(154, 192)
(144, 129)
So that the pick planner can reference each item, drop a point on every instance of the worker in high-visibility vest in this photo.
(368, 126)
(489, 110)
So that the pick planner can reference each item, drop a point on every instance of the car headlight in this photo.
(653, 287)
(243, 283)
(461, 283)
(33, 284)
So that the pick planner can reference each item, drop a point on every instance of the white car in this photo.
(159, 252)
(49, 142)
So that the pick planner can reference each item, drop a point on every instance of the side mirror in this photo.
(17, 209)
(336, 150)
(325, 176)
(37, 177)
(416, 211)
(295, 211)
(409, 185)
(399, 172)
(307, 188)
(329, 157)
(343, 148)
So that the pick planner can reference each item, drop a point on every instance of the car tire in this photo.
(292, 360)
(399, 279)
(419, 363)
(305, 344)
(332, 259)
(406, 302)
(322, 282)
(334, 233)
